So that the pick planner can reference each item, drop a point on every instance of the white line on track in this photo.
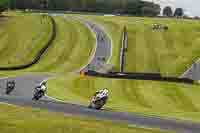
(4, 103)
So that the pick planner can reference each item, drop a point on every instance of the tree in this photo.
(150, 11)
(179, 12)
(51, 4)
(167, 11)
(157, 9)
(83, 4)
(12, 4)
(147, 11)
(91, 5)
(123, 4)
(133, 7)
(43, 4)
(3, 5)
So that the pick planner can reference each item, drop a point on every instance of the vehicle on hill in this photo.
(40, 91)
(99, 99)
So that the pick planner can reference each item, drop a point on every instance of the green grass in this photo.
(26, 120)
(169, 53)
(73, 40)
(22, 33)
(149, 51)
(152, 51)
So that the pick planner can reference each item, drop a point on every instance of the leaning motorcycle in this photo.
(98, 102)
(10, 86)
(38, 95)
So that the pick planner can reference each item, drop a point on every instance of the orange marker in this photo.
(82, 74)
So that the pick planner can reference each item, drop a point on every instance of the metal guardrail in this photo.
(124, 49)
(139, 76)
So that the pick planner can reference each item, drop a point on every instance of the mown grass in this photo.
(22, 33)
(169, 53)
(153, 51)
(149, 51)
(73, 40)
(26, 120)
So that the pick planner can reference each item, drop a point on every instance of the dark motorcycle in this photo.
(10, 87)
(38, 95)
(39, 92)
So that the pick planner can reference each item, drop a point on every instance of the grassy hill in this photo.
(73, 40)
(22, 33)
(169, 52)
(27, 120)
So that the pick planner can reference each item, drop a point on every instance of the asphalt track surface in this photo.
(25, 85)
(138, 120)
(103, 46)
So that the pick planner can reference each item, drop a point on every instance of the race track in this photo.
(103, 50)
(25, 85)
(138, 120)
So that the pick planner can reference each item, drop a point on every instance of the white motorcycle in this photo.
(99, 100)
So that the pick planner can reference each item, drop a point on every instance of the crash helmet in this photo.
(43, 87)
(105, 91)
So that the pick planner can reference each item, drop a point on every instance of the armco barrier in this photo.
(124, 49)
(40, 53)
(139, 76)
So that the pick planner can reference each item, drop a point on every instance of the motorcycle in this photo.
(39, 92)
(38, 95)
(10, 87)
(98, 101)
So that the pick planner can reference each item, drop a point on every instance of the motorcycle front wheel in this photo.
(99, 104)
(37, 96)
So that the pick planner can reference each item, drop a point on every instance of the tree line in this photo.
(168, 12)
(133, 7)
(3, 5)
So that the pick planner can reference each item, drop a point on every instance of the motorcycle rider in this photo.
(40, 90)
(99, 99)
(104, 92)
(10, 87)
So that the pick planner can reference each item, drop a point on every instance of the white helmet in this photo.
(105, 91)
(43, 87)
